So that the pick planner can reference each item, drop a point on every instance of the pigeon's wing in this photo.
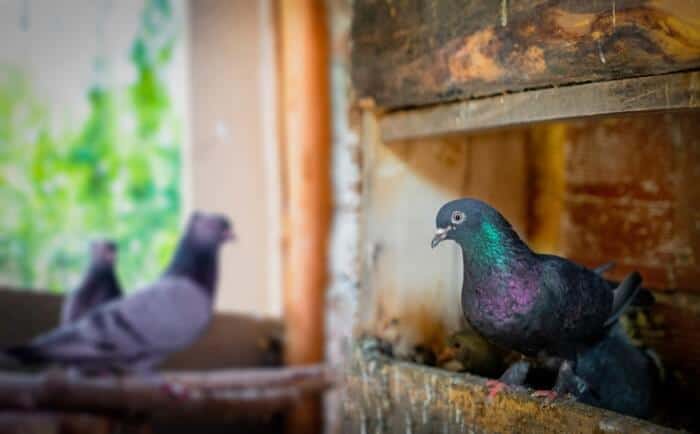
(604, 268)
(623, 296)
(157, 320)
(579, 298)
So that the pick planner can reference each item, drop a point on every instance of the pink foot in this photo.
(495, 387)
(548, 395)
(177, 391)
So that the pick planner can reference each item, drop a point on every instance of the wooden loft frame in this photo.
(425, 73)
(674, 91)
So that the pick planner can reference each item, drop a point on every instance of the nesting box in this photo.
(580, 123)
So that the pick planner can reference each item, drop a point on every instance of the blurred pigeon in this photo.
(538, 305)
(99, 285)
(139, 331)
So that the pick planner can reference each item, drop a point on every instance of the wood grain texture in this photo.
(416, 52)
(397, 397)
(305, 113)
(224, 396)
(666, 92)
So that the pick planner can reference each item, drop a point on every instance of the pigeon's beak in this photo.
(440, 234)
(228, 235)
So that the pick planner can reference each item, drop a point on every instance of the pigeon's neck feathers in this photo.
(196, 263)
(104, 276)
(492, 246)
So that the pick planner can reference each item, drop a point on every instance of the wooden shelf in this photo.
(675, 91)
(419, 399)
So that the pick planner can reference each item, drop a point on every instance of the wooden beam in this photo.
(397, 397)
(416, 52)
(307, 143)
(664, 92)
(221, 396)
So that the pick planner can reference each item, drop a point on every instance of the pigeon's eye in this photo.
(457, 345)
(457, 217)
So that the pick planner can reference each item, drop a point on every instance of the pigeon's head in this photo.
(209, 230)
(469, 221)
(103, 253)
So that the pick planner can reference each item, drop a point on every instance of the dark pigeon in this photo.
(99, 285)
(139, 331)
(616, 375)
(538, 305)
(612, 374)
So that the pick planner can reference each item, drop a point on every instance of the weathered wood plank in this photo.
(664, 92)
(398, 397)
(416, 52)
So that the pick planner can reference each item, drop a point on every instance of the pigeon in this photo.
(99, 285)
(538, 305)
(612, 374)
(137, 332)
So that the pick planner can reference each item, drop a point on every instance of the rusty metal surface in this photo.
(663, 92)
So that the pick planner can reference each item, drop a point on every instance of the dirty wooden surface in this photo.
(674, 91)
(398, 397)
(416, 52)
(221, 396)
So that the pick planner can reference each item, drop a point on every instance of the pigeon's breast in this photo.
(501, 310)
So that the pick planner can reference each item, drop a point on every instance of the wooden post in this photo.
(306, 137)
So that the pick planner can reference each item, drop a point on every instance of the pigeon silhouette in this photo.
(535, 304)
(137, 332)
(99, 285)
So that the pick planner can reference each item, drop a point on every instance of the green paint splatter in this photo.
(59, 189)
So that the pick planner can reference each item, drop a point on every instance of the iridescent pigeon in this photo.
(538, 305)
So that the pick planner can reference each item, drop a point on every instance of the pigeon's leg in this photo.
(565, 379)
(515, 375)
(570, 383)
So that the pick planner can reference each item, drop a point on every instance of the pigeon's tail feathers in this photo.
(604, 268)
(26, 355)
(624, 295)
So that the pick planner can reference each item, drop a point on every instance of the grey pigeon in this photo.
(137, 332)
(538, 305)
(99, 285)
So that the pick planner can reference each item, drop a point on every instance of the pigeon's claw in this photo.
(495, 387)
(177, 391)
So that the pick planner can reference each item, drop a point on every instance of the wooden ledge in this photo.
(220, 396)
(418, 399)
(675, 91)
